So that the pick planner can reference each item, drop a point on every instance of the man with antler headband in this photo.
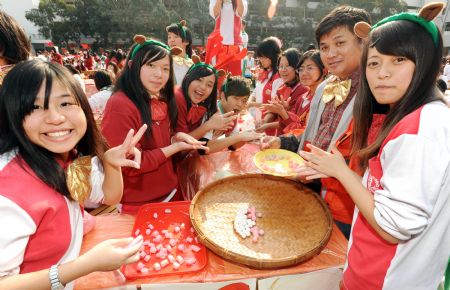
(332, 105)
(178, 35)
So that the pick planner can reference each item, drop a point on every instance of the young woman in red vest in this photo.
(228, 16)
(268, 82)
(301, 74)
(52, 159)
(400, 235)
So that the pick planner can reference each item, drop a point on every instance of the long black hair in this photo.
(185, 37)
(270, 47)
(130, 83)
(397, 38)
(17, 97)
(195, 74)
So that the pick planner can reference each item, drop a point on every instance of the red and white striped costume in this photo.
(39, 226)
(410, 181)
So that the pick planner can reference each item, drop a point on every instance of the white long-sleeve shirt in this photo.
(410, 181)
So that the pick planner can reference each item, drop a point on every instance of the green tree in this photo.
(53, 19)
(112, 22)
(378, 9)
(92, 19)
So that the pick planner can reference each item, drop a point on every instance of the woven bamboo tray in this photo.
(296, 221)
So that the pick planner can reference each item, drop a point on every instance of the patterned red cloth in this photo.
(159, 110)
(195, 113)
(331, 117)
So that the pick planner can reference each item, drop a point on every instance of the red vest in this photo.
(341, 205)
(236, 29)
(48, 210)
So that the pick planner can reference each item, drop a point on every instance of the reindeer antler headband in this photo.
(423, 18)
(198, 63)
(142, 42)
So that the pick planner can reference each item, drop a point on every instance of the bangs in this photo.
(175, 30)
(292, 56)
(152, 56)
(27, 79)
(391, 33)
(200, 72)
(60, 74)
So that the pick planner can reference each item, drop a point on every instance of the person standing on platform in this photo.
(225, 43)
(244, 34)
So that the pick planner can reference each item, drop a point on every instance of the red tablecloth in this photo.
(217, 269)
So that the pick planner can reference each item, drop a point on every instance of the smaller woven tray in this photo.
(296, 221)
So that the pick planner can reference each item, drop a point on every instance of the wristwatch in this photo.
(53, 275)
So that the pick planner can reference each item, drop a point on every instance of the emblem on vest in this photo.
(373, 183)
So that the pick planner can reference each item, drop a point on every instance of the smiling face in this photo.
(154, 75)
(286, 71)
(176, 40)
(200, 89)
(340, 51)
(265, 62)
(61, 126)
(388, 76)
(309, 73)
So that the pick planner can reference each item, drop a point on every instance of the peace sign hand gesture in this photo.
(118, 156)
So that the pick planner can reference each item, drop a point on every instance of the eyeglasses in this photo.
(308, 69)
(284, 67)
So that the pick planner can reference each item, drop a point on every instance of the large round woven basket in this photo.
(296, 221)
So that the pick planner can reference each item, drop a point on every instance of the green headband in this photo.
(147, 42)
(429, 26)
(182, 30)
(202, 64)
